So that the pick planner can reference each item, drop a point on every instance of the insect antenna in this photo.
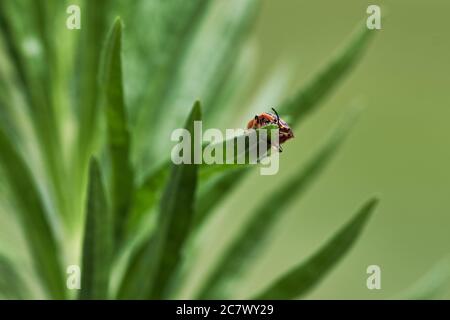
(278, 117)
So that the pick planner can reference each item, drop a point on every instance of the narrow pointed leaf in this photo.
(308, 98)
(252, 238)
(12, 46)
(122, 176)
(11, 284)
(213, 192)
(27, 54)
(431, 285)
(154, 263)
(304, 277)
(34, 219)
(92, 36)
(97, 243)
(146, 197)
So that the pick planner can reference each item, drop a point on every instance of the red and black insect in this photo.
(267, 118)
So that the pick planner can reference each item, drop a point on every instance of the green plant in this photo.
(68, 95)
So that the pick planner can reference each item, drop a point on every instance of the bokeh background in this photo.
(399, 149)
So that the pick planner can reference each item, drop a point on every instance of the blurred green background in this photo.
(399, 149)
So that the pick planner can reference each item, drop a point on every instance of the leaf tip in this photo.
(115, 33)
(93, 164)
(118, 25)
(373, 201)
(197, 110)
(369, 206)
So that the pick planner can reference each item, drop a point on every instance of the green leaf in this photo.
(29, 56)
(92, 35)
(97, 243)
(34, 219)
(146, 197)
(122, 175)
(433, 283)
(308, 98)
(253, 236)
(12, 45)
(304, 277)
(154, 264)
(45, 15)
(11, 284)
(212, 192)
